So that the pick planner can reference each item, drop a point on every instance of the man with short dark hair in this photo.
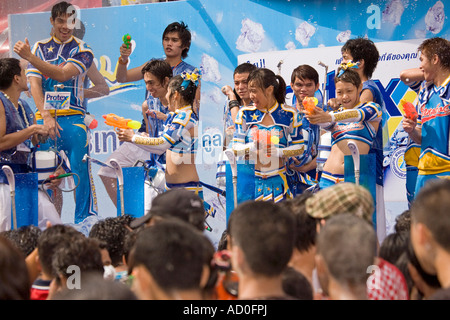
(64, 60)
(302, 169)
(176, 41)
(430, 229)
(171, 260)
(156, 73)
(18, 131)
(261, 238)
(346, 248)
(431, 129)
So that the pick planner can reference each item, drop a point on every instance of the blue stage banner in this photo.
(225, 33)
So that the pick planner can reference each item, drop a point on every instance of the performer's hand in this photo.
(294, 163)
(54, 183)
(228, 91)
(157, 114)
(334, 103)
(409, 125)
(40, 129)
(230, 130)
(125, 134)
(23, 49)
(125, 52)
(318, 116)
(53, 127)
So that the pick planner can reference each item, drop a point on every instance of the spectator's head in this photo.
(296, 285)
(393, 246)
(72, 260)
(112, 232)
(261, 237)
(430, 223)
(403, 222)
(344, 197)
(346, 248)
(169, 260)
(14, 279)
(50, 239)
(305, 235)
(93, 287)
(24, 238)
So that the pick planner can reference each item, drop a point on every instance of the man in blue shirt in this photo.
(63, 60)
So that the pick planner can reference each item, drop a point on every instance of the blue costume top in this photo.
(354, 123)
(175, 137)
(156, 126)
(181, 67)
(74, 137)
(59, 53)
(434, 117)
(287, 126)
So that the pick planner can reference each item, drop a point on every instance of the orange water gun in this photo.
(120, 122)
(309, 103)
(264, 137)
(409, 109)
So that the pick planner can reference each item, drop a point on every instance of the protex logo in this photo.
(398, 164)
(57, 100)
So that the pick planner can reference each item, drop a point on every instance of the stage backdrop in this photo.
(225, 33)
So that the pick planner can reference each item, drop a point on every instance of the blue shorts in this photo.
(423, 179)
(328, 179)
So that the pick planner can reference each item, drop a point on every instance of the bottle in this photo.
(90, 121)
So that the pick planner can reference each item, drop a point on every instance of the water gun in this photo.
(64, 175)
(409, 109)
(119, 122)
(264, 137)
(309, 103)
(127, 40)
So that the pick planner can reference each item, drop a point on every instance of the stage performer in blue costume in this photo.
(354, 121)
(432, 128)
(268, 132)
(179, 139)
(18, 132)
(63, 61)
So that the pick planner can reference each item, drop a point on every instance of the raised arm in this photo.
(123, 74)
(53, 71)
